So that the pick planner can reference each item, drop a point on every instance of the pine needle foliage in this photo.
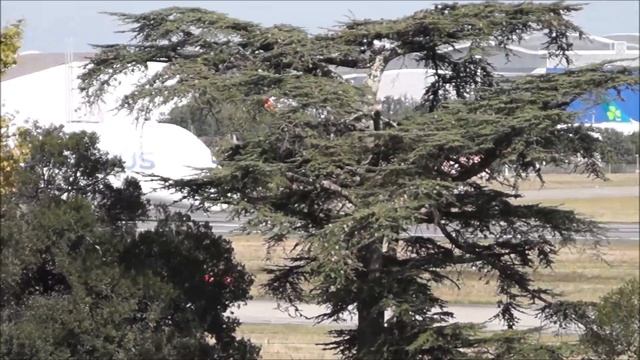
(78, 281)
(327, 169)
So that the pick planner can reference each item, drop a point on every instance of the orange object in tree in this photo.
(269, 105)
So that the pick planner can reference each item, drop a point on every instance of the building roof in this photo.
(29, 63)
(632, 40)
(589, 42)
(528, 56)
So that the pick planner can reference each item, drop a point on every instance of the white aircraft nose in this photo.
(51, 97)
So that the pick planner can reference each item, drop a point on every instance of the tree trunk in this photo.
(370, 315)
(370, 318)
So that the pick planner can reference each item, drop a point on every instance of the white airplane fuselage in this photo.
(51, 97)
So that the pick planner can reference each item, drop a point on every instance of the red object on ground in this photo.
(228, 280)
(208, 278)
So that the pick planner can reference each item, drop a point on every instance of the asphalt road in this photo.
(627, 231)
(267, 312)
(582, 193)
(222, 225)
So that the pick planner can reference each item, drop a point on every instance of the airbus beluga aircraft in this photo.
(43, 88)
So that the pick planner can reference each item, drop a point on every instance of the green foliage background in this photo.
(78, 280)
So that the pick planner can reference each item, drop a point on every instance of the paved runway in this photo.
(582, 193)
(267, 312)
(615, 231)
(222, 225)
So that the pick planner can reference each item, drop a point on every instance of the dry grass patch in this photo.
(577, 274)
(566, 181)
(545, 337)
(250, 250)
(303, 341)
(611, 209)
(289, 341)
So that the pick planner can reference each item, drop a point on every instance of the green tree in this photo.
(618, 147)
(192, 118)
(614, 330)
(635, 139)
(78, 281)
(395, 109)
(327, 169)
(610, 328)
(10, 38)
(10, 156)
(216, 129)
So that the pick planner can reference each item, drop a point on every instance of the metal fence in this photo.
(621, 168)
(609, 168)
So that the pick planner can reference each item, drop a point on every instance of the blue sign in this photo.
(609, 108)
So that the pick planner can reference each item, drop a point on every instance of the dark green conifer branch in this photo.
(350, 186)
